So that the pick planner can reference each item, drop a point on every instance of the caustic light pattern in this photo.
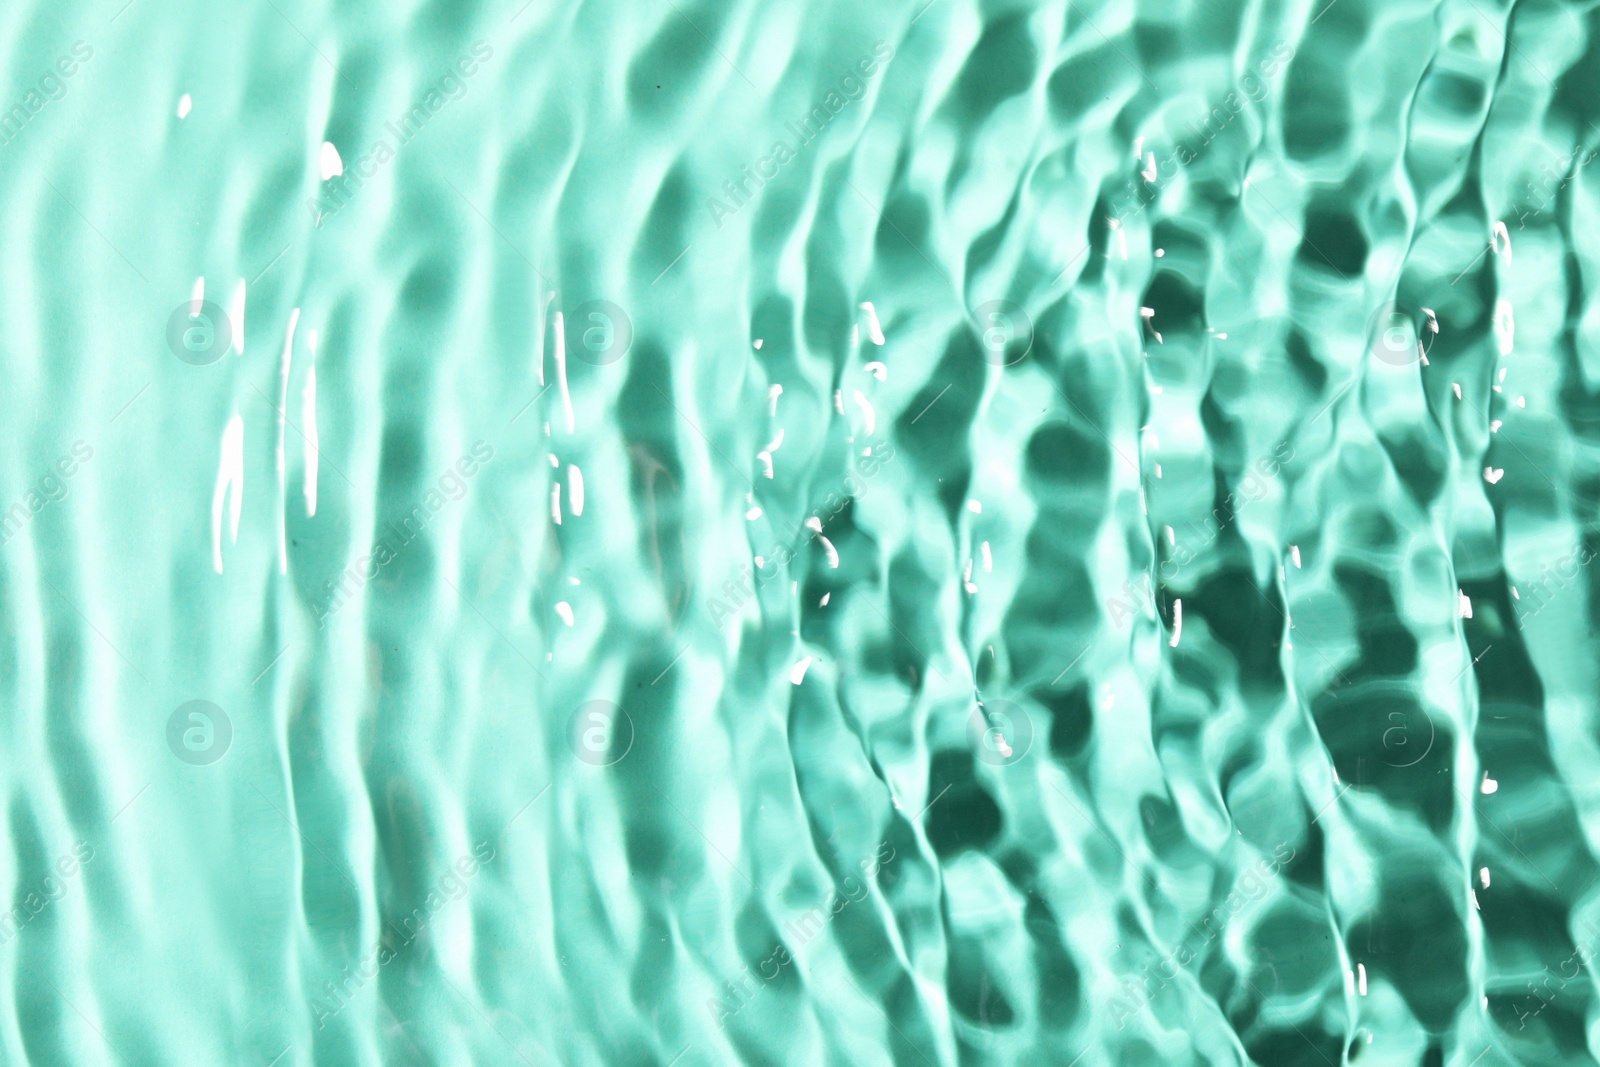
(729, 533)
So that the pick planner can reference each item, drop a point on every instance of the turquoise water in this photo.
(687, 534)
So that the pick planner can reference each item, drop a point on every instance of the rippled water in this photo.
(685, 534)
